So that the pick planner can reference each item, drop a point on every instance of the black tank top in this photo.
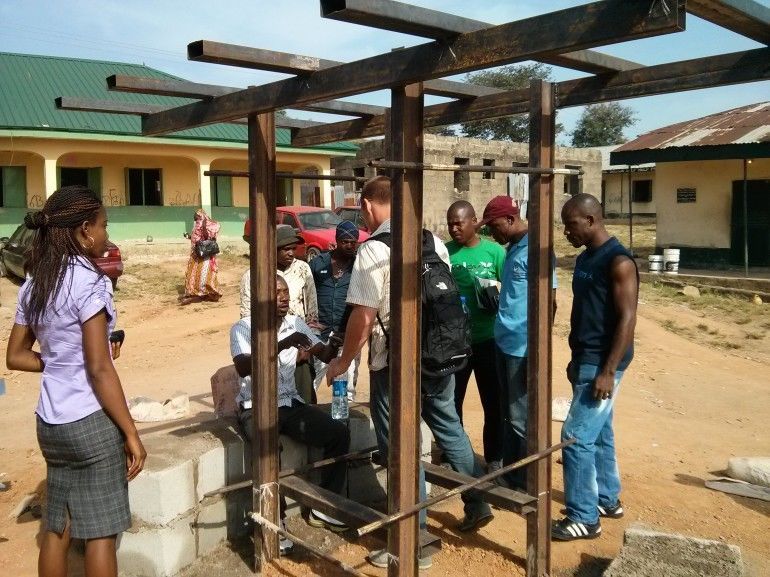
(594, 318)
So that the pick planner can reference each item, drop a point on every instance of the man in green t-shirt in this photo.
(475, 260)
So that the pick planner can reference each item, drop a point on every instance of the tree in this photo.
(514, 77)
(602, 125)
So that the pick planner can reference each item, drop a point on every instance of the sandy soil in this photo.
(696, 394)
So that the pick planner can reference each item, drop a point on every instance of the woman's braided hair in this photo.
(55, 244)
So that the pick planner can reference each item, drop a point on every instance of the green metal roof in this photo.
(30, 83)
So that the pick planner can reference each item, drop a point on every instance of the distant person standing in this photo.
(331, 275)
(303, 302)
(201, 275)
(86, 434)
(475, 260)
(511, 334)
(605, 286)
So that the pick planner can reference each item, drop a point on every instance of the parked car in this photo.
(353, 214)
(13, 252)
(315, 225)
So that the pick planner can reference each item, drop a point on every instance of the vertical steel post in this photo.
(540, 315)
(264, 380)
(405, 300)
(745, 217)
(630, 212)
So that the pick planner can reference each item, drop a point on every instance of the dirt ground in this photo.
(696, 394)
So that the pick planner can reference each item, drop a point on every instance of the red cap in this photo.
(497, 207)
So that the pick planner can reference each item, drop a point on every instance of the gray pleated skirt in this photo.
(86, 480)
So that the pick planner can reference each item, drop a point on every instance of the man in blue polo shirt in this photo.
(501, 215)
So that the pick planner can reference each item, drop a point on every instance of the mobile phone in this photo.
(117, 336)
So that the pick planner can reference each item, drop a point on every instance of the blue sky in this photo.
(157, 34)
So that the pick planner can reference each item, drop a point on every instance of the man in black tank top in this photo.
(605, 287)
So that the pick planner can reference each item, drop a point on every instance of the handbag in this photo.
(206, 248)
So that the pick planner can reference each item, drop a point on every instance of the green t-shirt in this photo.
(485, 260)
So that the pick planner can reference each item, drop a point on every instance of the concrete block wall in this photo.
(439, 186)
(173, 523)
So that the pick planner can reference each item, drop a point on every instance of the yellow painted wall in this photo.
(616, 192)
(706, 222)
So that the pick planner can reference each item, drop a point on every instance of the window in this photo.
(462, 179)
(222, 190)
(641, 191)
(13, 187)
(319, 220)
(572, 182)
(143, 185)
(289, 219)
(488, 175)
(88, 177)
(360, 172)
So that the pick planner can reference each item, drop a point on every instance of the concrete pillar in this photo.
(205, 184)
(326, 189)
(49, 176)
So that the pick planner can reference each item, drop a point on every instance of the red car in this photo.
(316, 226)
(353, 214)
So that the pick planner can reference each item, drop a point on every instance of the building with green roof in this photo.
(151, 186)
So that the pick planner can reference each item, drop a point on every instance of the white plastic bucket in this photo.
(671, 260)
(655, 263)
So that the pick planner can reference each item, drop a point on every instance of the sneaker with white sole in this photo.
(322, 521)
(568, 530)
(614, 512)
(379, 558)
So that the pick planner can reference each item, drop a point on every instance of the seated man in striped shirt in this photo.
(304, 423)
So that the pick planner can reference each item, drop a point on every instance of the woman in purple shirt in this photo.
(84, 429)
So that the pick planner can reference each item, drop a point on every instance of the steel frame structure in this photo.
(459, 45)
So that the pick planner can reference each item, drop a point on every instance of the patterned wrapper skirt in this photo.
(201, 277)
(86, 480)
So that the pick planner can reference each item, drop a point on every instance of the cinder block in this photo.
(157, 551)
(224, 388)
(212, 471)
(238, 506)
(211, 524)
(158, 496)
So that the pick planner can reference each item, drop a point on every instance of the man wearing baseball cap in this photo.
(502, 218)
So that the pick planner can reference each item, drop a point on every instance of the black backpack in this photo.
(446, 344)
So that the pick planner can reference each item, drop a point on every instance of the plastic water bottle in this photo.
(340, 410)
(468, 327)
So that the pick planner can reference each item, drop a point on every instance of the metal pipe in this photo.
(257, 518)
(745, 217)
(630, 212)
(292, 175)
(471, 168)
(297, 471)
(366, 529)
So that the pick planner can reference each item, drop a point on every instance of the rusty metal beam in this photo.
(726, 69)
(746, 17)
(264, 378)
(540, 304)
(184, 89)
(409, 19)
(405, 398)
(113, 107)
(579, 27)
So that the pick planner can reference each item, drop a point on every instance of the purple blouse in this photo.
(66, 393)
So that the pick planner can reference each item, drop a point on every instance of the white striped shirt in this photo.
(240, 344)
(370, 287)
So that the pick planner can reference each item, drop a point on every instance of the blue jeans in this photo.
(512, 373)
(438, 411)
(591, 475)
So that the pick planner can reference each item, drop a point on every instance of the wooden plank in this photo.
(409, 19)
(574, 28)
(349, 512)
(722, 70)
(746, 17)
(405, 300)
(264, 382)
(257, 58)
(540, 315)
(494, 494)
